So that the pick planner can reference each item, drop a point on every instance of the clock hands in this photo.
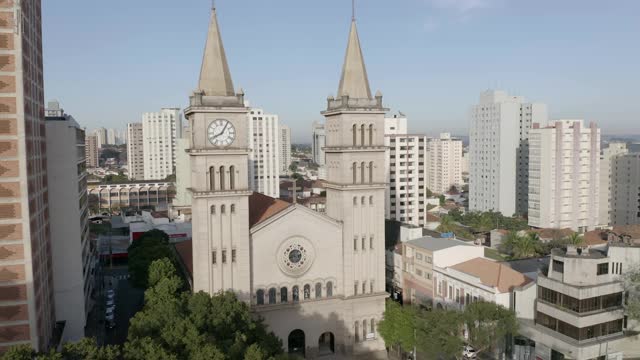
(221, 132)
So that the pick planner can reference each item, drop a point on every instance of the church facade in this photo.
(317, 279)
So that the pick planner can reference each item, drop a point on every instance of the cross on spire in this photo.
(294, 188)
(353, 10)
(213, 4)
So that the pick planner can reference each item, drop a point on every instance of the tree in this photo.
(19, 352)
(447, 224)
(442, 200)
(526, 246)
(94, 203)
(453, 190)
(152, 245)
(88, 349)
(575, 239)
(293, 167)
(160, 269)
(429, 193)
(438, 334)
(631, 279)
(487, 324)
(397, 325)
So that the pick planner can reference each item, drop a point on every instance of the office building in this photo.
(625, 189)
(101, 134)
(498, 152)
(27, 313)
(318, 142)
(445, 163)
(74, 257)
(607, 155)
(285, 149)
(564, 176)
(112, 136)
(264, 158)
(405, 169)
(92, 151)
(135, 151)
(159, 133)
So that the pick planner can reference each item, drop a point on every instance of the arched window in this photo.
(284, 293)
(222, 183)
(371, 287)
(363, 200)
(272, 296)
(355, 172)
(364, 329)
(213, 209)
(364, 287)
(355, 200)
(371, 200)
(362, 168)
(357, 331)
(233, 208)
(373, 326)
(371, 172)
(371, 135)
(222, 209)
(260, 297)
(318, 290)
(362, 135)
(232, 177)
(307, 292)
(212, 178)
(329, 289)
(354, 134)
(295, 293)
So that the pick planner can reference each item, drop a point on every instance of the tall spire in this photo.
(354, 81)
(215, 77)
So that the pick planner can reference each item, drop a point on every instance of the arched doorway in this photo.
(439, 306)
(326, 344)
(296, 342)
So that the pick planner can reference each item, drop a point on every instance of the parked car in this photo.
(110, 302)
(469, 352)
(110, 310)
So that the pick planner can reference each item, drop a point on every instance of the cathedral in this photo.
(317, 279)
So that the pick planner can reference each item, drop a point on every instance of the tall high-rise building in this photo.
(499, 152)
(264, 157)
(27, 312)
(101, 134)
(607, 155)
(112, 136)
(318, 143)
(445, 163)
(92, 151)
(625, 189)
(405, 170)
(564, 176)
(74, 257)
(285, 149)
(159, 133)
(135, 151)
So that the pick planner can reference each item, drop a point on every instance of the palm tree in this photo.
(508, 241)
(447, 224)
(575, 239)
(526, 246)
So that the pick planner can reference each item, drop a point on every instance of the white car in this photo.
(469, 352)
(110, 302)
(110, 310)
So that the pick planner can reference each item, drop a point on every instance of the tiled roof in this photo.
(493, 274)
(262, 207)
(435, 244)
(185, 252)
(432, 218)
(595, 237)
(553, 233)
(629, 230)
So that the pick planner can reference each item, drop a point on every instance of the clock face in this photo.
(221, 133)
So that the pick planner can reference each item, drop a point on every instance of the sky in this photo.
(107, 62)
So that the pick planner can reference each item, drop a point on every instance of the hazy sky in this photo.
(107, 62)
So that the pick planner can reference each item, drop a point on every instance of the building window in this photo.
(355, 288)
(364, 241)
(364, 287)
(354, 130)
(272, 296)
(307, 292)
(233, 255)
(371, 200)
(283, 294)
(329, 289)
(212, 178)
(318, 290)
(371, 242)
(371, 135)
(295, 292)
(232, 177)
(355, 243)
(603, 269)
(371, 172)
(371, 286)
(558, 266)
(362, 170)
(355, 172)
(362, 135)
(222, 182)
(224, 256)
(260, 297)
(233, 208)
(357, 331)
(222, 209)
(213, 209)
(214, 257)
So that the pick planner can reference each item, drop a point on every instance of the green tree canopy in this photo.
(152, 245)
(488, 323)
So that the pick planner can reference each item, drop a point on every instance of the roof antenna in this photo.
(353, 10)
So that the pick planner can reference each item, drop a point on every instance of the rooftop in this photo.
(493, 274)
(435, 244)
(262, 207)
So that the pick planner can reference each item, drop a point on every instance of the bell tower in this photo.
(218, 154)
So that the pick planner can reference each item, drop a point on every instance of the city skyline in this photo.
(428, 46)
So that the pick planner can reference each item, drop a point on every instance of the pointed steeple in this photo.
(215, 77)
(354, 81)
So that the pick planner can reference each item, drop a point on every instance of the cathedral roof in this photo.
(354, 81)
(215, 77)
(262, 207)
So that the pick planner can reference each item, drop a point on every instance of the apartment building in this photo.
(318, 142)
(27, 312)
(285, 149)
(423, 256)
(135, 151)
(159, 133)
(406, 171)
(499, 152)
(564, 175)
(607, 156)
(92, 153)
(625, 189)
(101, 134)
(264, 157)
(445, 163)
(74, 256)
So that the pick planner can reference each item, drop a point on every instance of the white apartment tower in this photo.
(285, 149)
(498, 152)
(135, 151)
(159, 133)
(607, 156)
(101, 133)
(405, 169)
(445, 163)
(564, 177)
(112, 135)
(74, 258)
(264, 157)
(318, 142)
(625, 189)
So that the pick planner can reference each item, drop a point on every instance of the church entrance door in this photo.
(296, 342)
(326, 344)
